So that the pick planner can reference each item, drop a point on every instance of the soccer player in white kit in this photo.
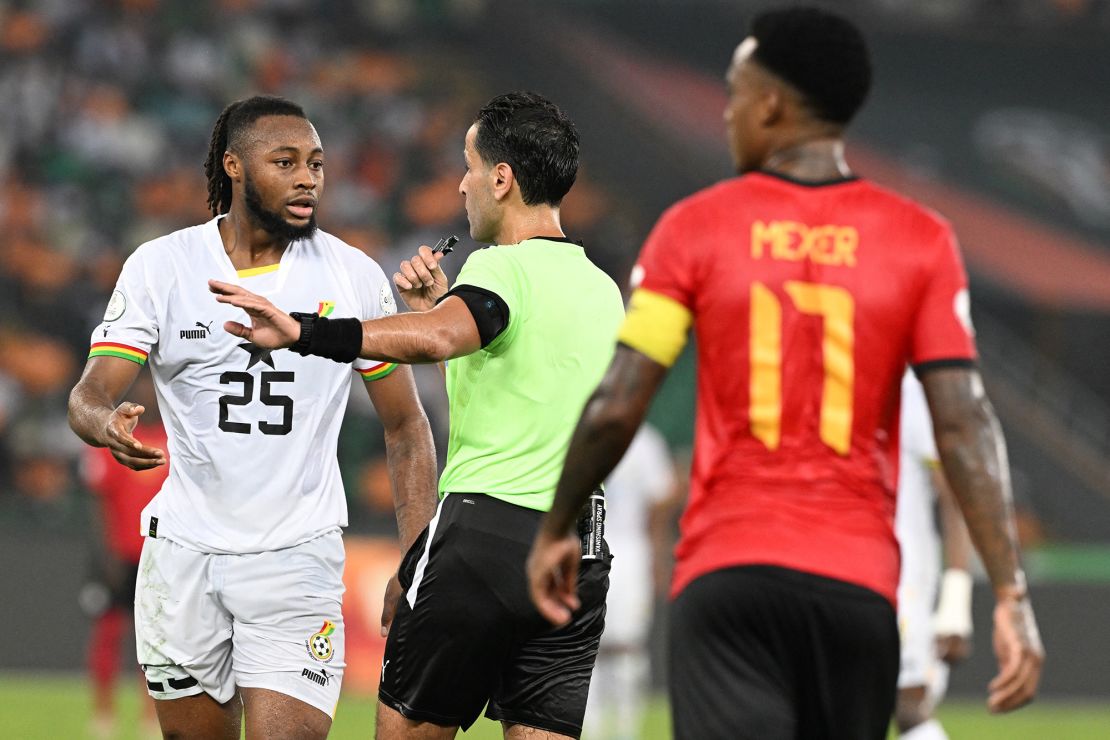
(932, 639)
(238, 604)
(639, 495)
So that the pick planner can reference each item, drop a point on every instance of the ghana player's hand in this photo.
(1017, 644)
(271, 328)
(953, 648)
(421, 281)
(389, 604)
(118, 438)
(553, 576)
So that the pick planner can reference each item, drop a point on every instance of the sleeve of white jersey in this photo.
(917, 425)
(129, 329)
(376, 300)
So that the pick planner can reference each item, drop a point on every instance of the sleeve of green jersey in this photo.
(495, 270)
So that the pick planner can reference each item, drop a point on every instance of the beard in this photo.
(272, 222)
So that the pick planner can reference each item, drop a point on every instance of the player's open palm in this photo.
(1017, 644)
(119, 438)
(270, 327)
(420, 280)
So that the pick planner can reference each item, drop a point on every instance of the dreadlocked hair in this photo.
(228, 135)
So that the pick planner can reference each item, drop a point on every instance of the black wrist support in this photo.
(335, 339)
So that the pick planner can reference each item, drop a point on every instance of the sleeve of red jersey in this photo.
(660, 310)
(943, 333)
(665, 265)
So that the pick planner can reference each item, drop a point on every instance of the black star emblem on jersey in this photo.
(258, 354)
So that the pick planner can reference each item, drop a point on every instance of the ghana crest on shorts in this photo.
(319, 645)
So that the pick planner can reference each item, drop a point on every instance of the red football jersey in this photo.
(808, 302)
(123, 492)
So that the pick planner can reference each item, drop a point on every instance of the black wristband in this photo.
(335, 339)
(308, 321)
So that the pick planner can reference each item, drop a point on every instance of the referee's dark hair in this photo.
(230, 134)
(535, 138)
(821, 54)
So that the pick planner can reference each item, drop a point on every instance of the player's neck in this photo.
(816, 159)
(527, 222)
(248, 245)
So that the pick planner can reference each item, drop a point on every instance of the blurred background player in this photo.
(121, 493)
(932, 638)
(809, 290)
(641, 498)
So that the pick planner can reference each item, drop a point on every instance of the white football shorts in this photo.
(920, 665)
(210, 623)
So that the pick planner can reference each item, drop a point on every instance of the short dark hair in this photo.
(230, 132)
(535, 138)
(821, 54)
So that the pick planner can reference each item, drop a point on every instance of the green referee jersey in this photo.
(515, 402)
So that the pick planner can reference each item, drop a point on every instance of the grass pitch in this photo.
(36, 707)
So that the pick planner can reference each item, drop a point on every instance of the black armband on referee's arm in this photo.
(490, 313)
(335, 339)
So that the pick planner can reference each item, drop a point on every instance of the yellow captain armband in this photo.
(656, 326)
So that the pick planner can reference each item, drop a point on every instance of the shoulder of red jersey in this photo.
(921, 217)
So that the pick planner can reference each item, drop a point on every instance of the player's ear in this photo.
(772, 105)
(232, 166)
(503, 179)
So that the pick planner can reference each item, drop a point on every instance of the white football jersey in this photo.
(916, 528)
(644, 477)
(914, 521)
(252, 433)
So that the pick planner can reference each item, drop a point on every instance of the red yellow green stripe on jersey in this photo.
(377, 372)
(114, 349)
(325, 308)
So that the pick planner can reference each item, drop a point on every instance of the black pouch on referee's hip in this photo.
(591, 527)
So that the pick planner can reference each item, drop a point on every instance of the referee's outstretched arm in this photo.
(447, 331)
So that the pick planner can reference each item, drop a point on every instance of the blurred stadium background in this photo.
(994, 112)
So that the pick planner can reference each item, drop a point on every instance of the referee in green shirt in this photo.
(529, 328)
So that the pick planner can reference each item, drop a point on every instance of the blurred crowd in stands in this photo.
(108, 107)
(1022, 12)
(106, 114)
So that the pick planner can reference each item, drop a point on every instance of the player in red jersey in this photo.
(121, 495)
(809, 291)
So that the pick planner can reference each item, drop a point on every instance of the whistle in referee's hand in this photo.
(446, 245)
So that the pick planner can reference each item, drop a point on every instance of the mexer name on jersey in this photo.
(832, 290)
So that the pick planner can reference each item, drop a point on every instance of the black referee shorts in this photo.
(466, 632)
(776, 654)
